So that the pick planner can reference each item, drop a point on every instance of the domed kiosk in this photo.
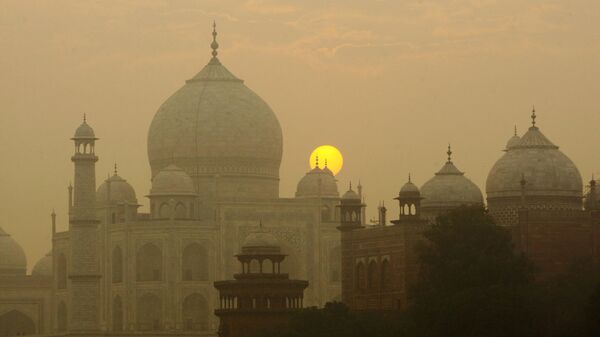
(551, 179)
(221, 133)
(318, 183)
(448, 189)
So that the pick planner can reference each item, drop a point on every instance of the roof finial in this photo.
(214, 45)
(84, 118)
(533, 116)
(317, 161)
(350, 185)
(449, 153)
(115, 168)
(515, 129)
(409, 177)
(325, 162)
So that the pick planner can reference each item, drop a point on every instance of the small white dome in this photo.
(449, 188)
(44, 266)
(12, 256)
(172, 181)
(350, 195)
(409, 189)
(120, 191)
(318, 183)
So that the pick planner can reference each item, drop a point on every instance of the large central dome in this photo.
(221, 133)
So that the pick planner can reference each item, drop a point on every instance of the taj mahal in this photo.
(215, 149)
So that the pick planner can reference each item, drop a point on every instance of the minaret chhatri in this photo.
(84, 271)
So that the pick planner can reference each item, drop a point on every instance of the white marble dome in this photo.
(547, 171)
(216, 125)
(172, 181)
(449, 188)
(120, 191)
(12, 256)
(44, 266)
(318, 183)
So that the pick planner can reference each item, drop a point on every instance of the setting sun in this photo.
(328, 155)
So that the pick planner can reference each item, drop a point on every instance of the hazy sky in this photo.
(389, 83)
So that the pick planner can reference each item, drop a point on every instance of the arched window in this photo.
(61, 317)
(385, 274)
(117, 265)
(195, 263)
(180, 211)
(117, 314)
(195, 313)
(149, 263)
(360, 276)
(164, 211)
(325, 213)
(372, 276)
(149, 313)
(335, 264)
(61, 268)
(16, 323)
(406, 209)
(413, 209)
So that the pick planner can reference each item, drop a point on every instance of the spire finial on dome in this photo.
(533, 116)
(449, 153)
(409, 177)
(214, 45)
(317, 161)
(350, 189)
(84, 118)
(115, 168)
(325, 162)
(515, 129)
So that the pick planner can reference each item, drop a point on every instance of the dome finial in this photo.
(515, 129)
(214, 45)
(350, 189)
(533, 116)
(409, 177)
(84, 118)
(317, 161)
(115, 168)
(449, 153)
(325, 162)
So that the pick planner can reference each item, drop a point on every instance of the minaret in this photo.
(84, 270)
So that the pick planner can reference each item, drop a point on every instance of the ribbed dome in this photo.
(547, 171)
(84, 131)
(318, 183)
(261, 243)
(450, 188)
(120, 191)
(12, 256)
(172, 181)
(512, 142)
(215, 125)
(44, 266)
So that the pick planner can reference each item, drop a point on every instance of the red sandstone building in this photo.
(533, 190)
(260, 298)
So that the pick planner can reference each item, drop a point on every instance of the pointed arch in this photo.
(180, 211)
(385, 274)
(335, 264)
(117, 265)
(195, 263)
(195, 312)
(16, 323)
(372, 277)
(61, 271)
(359, 278)
(61, 317)
(149, 264)
(117, 314)
(149, 312)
